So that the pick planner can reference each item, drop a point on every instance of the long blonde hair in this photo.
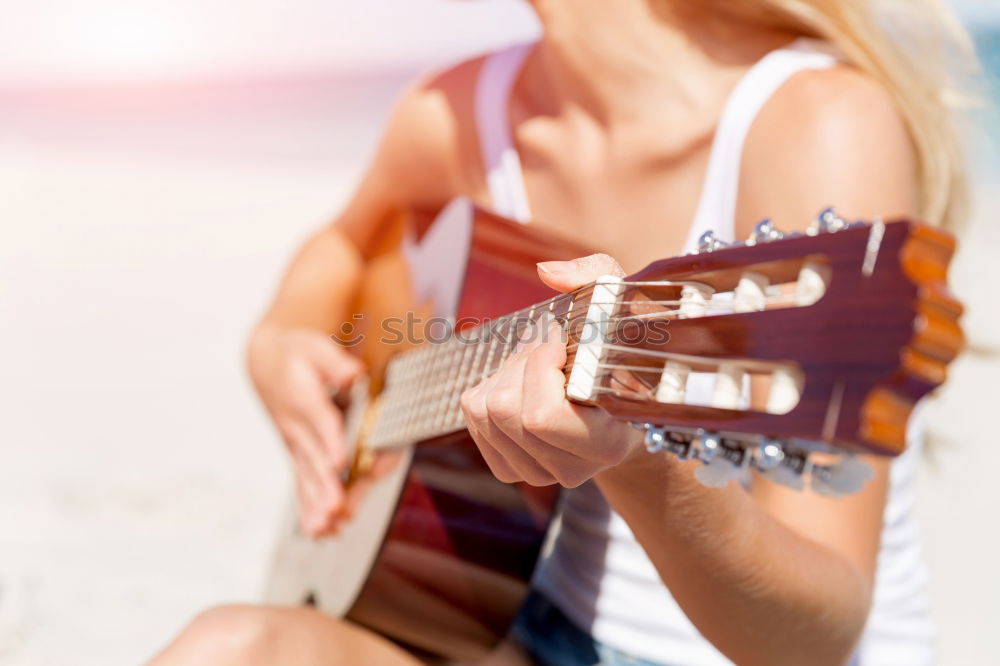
(913, 48)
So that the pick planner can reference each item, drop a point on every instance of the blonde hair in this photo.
(913, 48)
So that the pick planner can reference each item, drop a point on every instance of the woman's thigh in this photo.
(249, 635)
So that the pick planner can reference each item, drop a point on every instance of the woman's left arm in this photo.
(786, 576)
(769, 576)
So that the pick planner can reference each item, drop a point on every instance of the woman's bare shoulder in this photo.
(827, 137)
(835, 103)
(430, 140)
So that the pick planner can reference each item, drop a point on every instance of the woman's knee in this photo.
(224, 635)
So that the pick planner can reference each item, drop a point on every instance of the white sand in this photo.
(139, 480)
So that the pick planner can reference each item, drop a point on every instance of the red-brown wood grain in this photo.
(461, 549)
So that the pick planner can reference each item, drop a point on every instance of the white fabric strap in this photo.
(717, 207)
(504, 178)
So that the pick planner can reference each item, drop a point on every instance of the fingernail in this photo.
(550, 267)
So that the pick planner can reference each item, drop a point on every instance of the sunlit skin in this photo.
(613, 117)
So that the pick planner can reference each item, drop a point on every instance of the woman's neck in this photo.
(616, 60)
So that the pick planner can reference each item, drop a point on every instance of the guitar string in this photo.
(448, 394)
(725, 307)
(718, 307)
(519, 314)
(456, 419)
(459, 351)
(438, 395)
(439, 424)
(442, 359)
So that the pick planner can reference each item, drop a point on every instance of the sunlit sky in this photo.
(75, 41)
(78, 41)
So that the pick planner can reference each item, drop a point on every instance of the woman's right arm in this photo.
(293, 361)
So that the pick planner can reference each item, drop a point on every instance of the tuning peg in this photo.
(718, 473)
(707, 242)
(773, 463)
(656, 437)
(846, 477)
(828, 222)
(785, 476)
(768, 455)
(764, 232)
(705, 446)
(718, 470)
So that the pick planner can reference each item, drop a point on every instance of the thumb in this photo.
(570, 275)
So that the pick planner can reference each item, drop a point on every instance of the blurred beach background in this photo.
(159, 161)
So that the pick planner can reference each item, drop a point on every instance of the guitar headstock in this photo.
(840, 330)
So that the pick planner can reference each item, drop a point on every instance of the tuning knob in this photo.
(784, 475)
(828, 222)
(773, 463)
(846, 477)
(769, 455)
(706, 446)
(718, 473)
(655, 438)
(707, 242)
(764, 232)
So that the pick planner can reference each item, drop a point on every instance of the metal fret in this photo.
(473, 377)
(443, 406)
(569, 310)
(454, 416)
(424, 385)
(473, 374)
(508, 345)
(489, 358)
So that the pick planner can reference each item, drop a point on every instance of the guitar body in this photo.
(439, 554)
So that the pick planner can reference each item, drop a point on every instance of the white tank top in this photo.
(597, 573)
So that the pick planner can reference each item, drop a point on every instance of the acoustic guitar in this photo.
(850, 324)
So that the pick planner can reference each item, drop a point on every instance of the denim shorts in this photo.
(551, 639)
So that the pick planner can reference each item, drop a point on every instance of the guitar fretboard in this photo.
(423, 388)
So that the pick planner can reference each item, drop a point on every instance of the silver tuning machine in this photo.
(764, 232)
(778, 466)
(828, 222)
(724, 460)
(722, 463)
(845, 477)
(655, 438)
(683, 447)
(769, 455)
(706, 446)
(707, 242)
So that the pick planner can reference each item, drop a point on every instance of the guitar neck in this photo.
(423, 386)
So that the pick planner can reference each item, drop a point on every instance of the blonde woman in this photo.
(628, 119)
